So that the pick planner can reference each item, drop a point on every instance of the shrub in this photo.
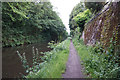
(53, 62)
(98, 62)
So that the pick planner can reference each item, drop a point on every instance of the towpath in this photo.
(73, 66)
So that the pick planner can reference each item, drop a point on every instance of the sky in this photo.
(64, 8)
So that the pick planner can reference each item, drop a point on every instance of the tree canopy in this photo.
(29, 22)
(94, 7)
(78, 17)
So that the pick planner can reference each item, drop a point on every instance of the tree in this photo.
(94, 6)
(29, 22)
(78, 17)
(82, 18)
(76, 10)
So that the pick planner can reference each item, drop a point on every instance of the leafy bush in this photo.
(27, 22)
(81, 19)
(36, 61)
(98, 62)
(79, 8)
(53, 62)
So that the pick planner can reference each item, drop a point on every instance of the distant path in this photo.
(73, 66)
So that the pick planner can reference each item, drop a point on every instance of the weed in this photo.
(54, 61)
(98, 62)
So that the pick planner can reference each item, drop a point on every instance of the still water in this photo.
(11, 63)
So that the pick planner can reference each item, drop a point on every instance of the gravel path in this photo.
(73, 66)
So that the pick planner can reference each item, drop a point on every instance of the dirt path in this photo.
(73, 66)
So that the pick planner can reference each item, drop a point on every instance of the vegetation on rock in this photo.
(94, 6)
(101, 60)
(98, 62)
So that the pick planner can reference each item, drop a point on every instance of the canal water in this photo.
(11, 63)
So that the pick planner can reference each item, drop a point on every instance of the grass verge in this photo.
(98, 63)
(54, 62)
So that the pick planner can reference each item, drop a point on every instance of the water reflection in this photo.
(11, 64)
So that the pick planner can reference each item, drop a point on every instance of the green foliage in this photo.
(94, 6)
(82, 18)
(76, 10)
(78, 17)
(36, 60)
(98, 62)
(27, 22)
(53, 62)
(23, 60)
(52, 44)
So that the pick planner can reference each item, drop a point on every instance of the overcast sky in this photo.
(64, 8)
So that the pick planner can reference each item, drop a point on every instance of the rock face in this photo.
(104, 27)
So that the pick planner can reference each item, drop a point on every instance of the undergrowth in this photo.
(98, 62)
(53, 62)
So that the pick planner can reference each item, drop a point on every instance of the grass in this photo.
(82, 49)
(97, 63)
(54, 62)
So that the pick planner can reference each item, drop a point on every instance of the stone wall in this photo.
(104, 26)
